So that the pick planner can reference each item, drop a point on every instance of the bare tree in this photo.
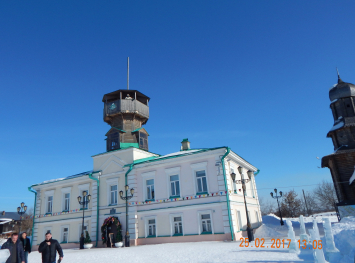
(312, 203)
(26, 223)
(266, 207)
(291, 205)
(325, 195)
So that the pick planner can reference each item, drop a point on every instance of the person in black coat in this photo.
(49, 248)
(14, 245)
(26, 245)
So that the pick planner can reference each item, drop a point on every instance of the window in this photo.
(151, 228)
(66, 201)
(113, 194)
(239, 220)
(177, 225)
(143, 141)
(49, 204)
(65, 235)
(66, 191)
(201, 181)
(150, 189)
(174, 185)
(84, 198)
(113, 141)
(206, 223)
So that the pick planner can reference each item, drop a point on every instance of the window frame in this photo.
(66, 190)
(172, 224)
(197, 167)
(199, 217)
(146, 226)
(148, 176)
(171, 172)
(62, 234)
(111, 182)
(48, 194)
(112, 138)
(239, 218)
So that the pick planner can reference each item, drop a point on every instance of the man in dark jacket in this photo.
(26, 245)
(49, 248)
(14, 245)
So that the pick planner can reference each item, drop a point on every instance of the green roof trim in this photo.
(180, 155)
(125, 145)
(137, 129)
(144, 159)
(185, 140)
(119, 129)
(140, 129)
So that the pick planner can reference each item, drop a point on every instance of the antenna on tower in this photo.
(128, 73)
(339, 79)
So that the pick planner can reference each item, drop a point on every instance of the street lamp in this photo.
(85, 202)
(277, 198)
(243, 182)
(21, 210)
(126, 198)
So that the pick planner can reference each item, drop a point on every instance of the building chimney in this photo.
(185, 145)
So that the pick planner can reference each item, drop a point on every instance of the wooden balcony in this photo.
(126, 106)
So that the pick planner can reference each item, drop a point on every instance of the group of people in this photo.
(20, 248)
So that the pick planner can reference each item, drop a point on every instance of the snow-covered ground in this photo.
(344, 237)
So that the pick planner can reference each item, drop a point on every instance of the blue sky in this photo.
(251, 75)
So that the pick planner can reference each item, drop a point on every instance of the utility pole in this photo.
(305, 201)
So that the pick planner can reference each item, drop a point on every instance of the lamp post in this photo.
(277, 198)
(86, 200)
(126, 198)
(21, 210)
(243, 182)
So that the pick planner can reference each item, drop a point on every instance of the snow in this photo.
(4, 254)
(337, 126)
(344, 238)
(352, 178)
(264, 231)
(65, 178)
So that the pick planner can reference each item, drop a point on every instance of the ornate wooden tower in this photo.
(126, 111)
(342, 162)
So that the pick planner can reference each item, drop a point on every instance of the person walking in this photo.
(26, 245)
(14, 245)
(49, 248)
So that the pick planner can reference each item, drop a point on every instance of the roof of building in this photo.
(145, 160)
(341, 90)
(65, 178)
(10, 215)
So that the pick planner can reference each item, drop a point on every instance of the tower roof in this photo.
(341, 90)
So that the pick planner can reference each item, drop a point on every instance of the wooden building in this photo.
(342, 162)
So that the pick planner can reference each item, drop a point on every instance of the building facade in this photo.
(342, 162)
(184, 196)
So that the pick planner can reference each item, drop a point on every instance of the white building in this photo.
(188, 195)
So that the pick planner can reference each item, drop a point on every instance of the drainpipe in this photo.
(126, 183)
(227, 195)
(34, 212)
(256, 173)
(98, 202)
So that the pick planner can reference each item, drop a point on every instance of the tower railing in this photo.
(126, 106)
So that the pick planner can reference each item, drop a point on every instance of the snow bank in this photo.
(266, 232)
(344, 238)
(4, 255)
